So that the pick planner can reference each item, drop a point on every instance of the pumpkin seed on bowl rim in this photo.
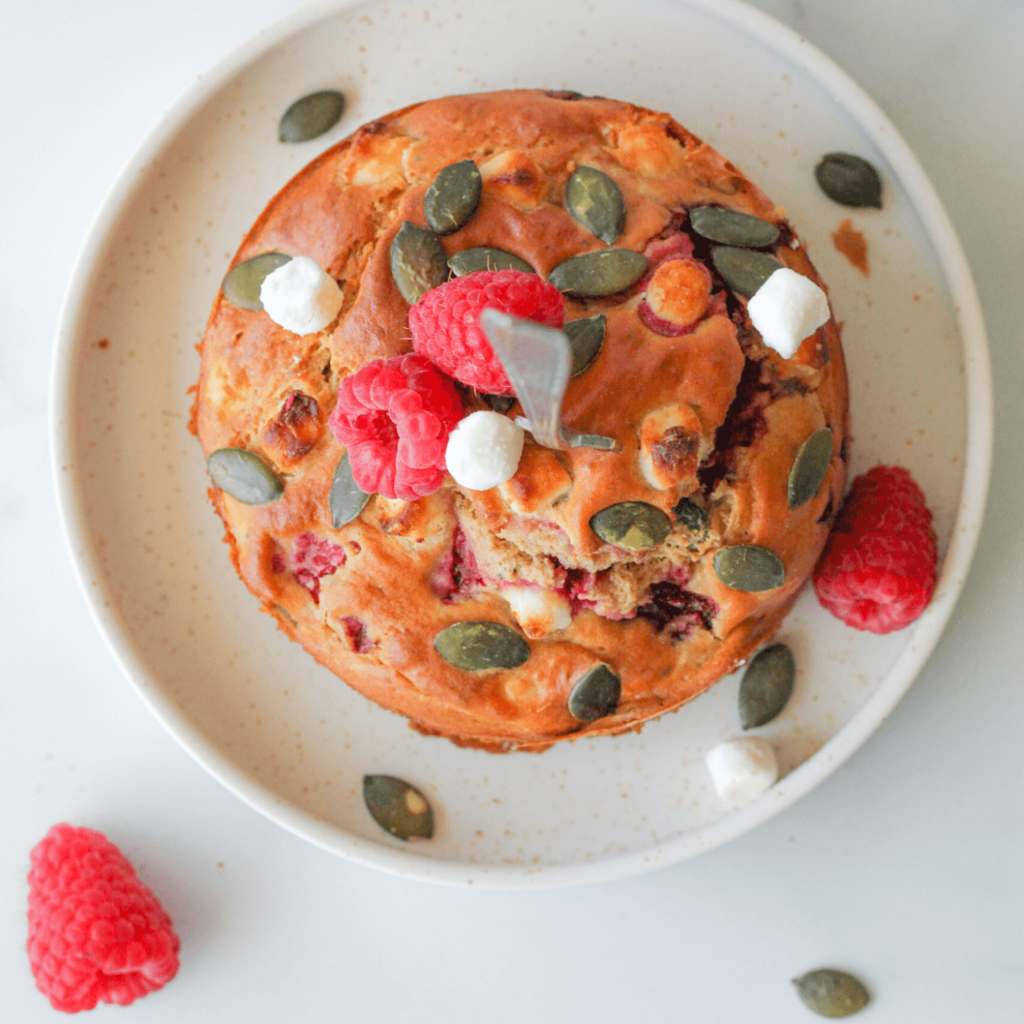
(593, 199)
(241, 285)
(244, 475)
(766, 686)
(600, 273)
(832, 993)
(810, 467)
(633, 525)
(586, 339)
(398, 807)
(749, 568)
(481, 646)
(346, 498)
(311, 116)
(595, 694)
(453, 197)
(743, 270)
(730, 227)
(485, 257)
(849, 180)
(418, 261)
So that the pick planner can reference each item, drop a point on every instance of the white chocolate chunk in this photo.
(537, 611)
(742, 769)
(786, 309)
(300, 296)
(484, 450)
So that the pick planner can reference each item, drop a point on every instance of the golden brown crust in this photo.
(740, 411)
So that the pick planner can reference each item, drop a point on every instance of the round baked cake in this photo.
(597, 586)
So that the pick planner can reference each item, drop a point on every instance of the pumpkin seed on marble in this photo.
(346, 498)
(398, 807)
(483, 257)
(595, 694)
(595, 274)
(832, 993)
(766, 686)
(586, 336)
(453, 197)
(311, 116)
(692, 516)
(849, 180)
(733, 228)
(480, 646)
(743, 270)
(809, 468)
(243, 475)
(593, 199)
(631, 524)
(242, 284)
(749, 568)
(418, 261)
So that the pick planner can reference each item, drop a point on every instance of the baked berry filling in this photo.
(355, 630)
(312, 559)
(297, 427)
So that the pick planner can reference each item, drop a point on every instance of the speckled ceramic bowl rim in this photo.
(927, 630)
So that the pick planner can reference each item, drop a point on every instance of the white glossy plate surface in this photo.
(252, 707)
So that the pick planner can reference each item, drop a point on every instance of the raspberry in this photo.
(394, 416)
(95, 932)
(446, 328)
(879, 567)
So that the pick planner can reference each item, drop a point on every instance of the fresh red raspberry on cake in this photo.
(878, 571)
(394, 416)
(445, 322)
(95, 932)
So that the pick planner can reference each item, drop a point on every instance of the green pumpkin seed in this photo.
(631, 524)
(832, 993)
(398, 807)
(732, 228)
(767, 685)
(692, 516)
(346, 499)
(418, 261)
(586, 336)
(311, 116)
(242, 284)
(483, 257)
(453, 197)
(595, 694)
(742, 270)
(604, 272)
(749, 568)
(592, 198)
(479, 646)
(810, 467)
(849, 180)
(246, 477)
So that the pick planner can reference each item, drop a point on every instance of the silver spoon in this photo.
(537, 360)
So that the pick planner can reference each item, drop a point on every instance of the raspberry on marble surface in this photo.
(96, 933)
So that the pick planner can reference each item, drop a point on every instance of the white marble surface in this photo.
(904, 867)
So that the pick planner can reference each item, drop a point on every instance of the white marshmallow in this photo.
(300, 296)
(786, 309)
(483, 450)
(742, 769)
(537, 611)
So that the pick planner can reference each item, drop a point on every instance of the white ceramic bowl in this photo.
(253, 708)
